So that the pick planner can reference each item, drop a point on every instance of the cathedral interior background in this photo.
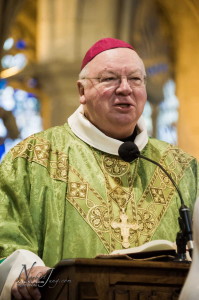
(42, 44)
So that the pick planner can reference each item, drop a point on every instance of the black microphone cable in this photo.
(129, 151)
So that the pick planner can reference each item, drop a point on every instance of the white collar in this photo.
(87, 132)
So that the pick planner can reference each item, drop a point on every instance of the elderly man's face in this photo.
(114, 93)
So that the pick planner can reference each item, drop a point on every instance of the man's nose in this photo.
(124, 86)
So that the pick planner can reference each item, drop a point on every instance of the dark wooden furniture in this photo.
(114, 279)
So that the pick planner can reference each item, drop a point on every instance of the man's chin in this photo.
(125, 121)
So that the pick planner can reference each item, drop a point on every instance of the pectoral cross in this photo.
(124, 226)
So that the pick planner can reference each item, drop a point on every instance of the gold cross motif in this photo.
(124, 226)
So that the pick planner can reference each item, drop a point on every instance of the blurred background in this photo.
(43, 42)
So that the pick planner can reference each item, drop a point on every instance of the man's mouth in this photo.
(123, 104)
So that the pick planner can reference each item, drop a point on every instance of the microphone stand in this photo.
(184, 236)
(185, 233)
(129, 151)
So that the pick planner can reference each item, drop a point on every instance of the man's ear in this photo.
(80, 86)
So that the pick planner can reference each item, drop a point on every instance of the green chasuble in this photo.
(62, 198)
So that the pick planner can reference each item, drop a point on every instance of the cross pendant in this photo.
(124, 227)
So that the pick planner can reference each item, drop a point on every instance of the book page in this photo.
(152, 246)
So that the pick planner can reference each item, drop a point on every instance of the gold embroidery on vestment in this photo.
(101, 207)
(98, 218)
(158, 195)
(38, 150)
(147, 212)
(77, 190)
(115, 166)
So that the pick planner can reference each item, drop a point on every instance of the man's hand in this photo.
(26, 288)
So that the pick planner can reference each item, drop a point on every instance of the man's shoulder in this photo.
(164, 148)
(51, 135)
(43, 144)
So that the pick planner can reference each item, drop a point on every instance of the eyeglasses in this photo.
(114, 80)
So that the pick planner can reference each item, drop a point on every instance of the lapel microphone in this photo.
(128, 152)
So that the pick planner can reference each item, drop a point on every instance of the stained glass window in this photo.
(25, 108)
(19, 109)
(168, 115)
(167, 118)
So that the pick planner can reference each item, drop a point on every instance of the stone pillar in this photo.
(187, 79)
(56, 55)
(65, 30)
(58, 80)
(56, 29)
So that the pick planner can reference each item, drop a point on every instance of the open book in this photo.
(152, 246)
(153, 250)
